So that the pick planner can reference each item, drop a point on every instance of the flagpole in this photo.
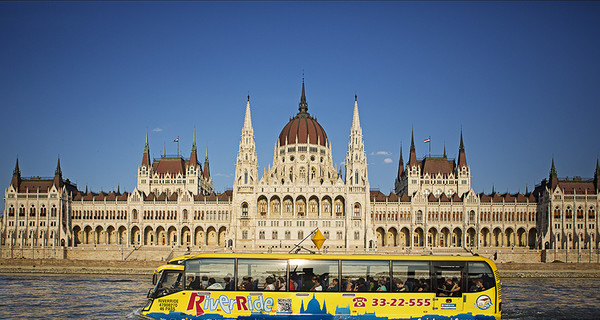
(178, 146)
(430, 146)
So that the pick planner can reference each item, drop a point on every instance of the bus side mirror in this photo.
(149, 295)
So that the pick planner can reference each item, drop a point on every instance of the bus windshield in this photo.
(170, 282)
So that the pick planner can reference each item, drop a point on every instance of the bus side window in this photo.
(210, 274)
(449, 279)
(365, 275)
(314, 275)
(262, 274)
(480, 276)
(411, 276)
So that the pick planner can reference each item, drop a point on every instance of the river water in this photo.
(31, 296)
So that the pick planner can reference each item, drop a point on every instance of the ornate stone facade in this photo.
(433, 208)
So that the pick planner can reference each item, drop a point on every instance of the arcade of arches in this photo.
(150, 236)
(455, 237)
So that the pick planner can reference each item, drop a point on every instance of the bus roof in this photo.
(340, 256)
(174, 267)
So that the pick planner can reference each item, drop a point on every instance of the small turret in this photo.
(58, 175)
(400, 165)
(412, 160)
(194, 155)
(206, 167)
(462, 158)
(16, 178)
(597, 176)
(553, 176)
(146, 157)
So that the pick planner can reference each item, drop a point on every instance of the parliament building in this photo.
(433, 208)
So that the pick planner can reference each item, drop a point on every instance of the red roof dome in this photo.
(303, 128)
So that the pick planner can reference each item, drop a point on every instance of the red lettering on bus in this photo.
(197, 302)
(242, 303)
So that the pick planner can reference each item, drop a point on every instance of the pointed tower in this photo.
(553, 176)
(145, 169)
(246, 176)
(412, 159)
(194, 154)
(356, 158)
(58, 175)
(597, 176)
(400, 165)
(16, 178)
(399, 184)
(463, 171)
(462, 158)
(206, 166)
(445, 157)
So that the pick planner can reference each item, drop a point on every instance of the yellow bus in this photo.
(310, 286)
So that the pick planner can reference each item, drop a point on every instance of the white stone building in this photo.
(433, 208)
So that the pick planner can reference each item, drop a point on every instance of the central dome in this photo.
(303, 129)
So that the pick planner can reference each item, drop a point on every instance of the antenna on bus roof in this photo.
(318, 240)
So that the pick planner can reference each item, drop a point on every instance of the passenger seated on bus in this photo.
(229, 286)
(381, 285)
(254, 285)
(316, 284)
(280, 284)
(293, 282)
(456, 289)
(243, 283)
(477, 286)
(371, 284)
(399, 286)
(334, 286)
(423, 285)
(450, 288)
(410, 283)
(361, 285)
(204, 282)
(348, 285)
(269, 284)
(193, 282)
(213, 285)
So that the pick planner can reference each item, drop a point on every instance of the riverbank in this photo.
(50, 266)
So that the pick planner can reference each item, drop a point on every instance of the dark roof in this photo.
(579, 187)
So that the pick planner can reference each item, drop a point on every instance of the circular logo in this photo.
(483, 302)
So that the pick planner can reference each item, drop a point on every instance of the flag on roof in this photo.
(176, 140)
(427, 140)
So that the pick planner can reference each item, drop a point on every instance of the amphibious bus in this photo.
(314, 286)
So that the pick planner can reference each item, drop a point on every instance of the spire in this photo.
(444, 151)
(248, 118)
(16, 178)
(206, 168)
(462, 158)
(303, 105)
(597, 176)
(400, 165)
(553, 176)
(355, 118)
(58, 175)
(553, 170)
(58, 171)
(146, 156)
(194, 155)
(412, 160)
(17, 171)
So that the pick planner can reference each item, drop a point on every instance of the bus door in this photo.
(449, 285)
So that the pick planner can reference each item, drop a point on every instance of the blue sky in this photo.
(86, 80)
